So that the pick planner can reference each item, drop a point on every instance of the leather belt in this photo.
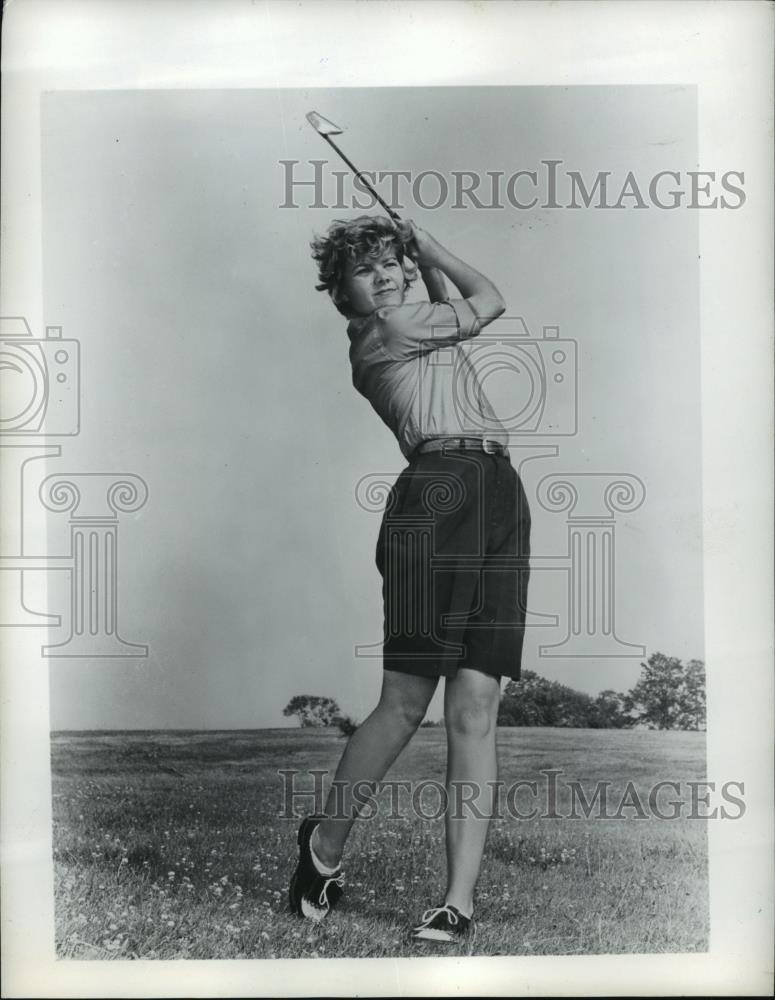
(486, 445)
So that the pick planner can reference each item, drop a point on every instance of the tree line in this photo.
(668, 695)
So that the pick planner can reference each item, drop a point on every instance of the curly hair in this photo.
(368, 235)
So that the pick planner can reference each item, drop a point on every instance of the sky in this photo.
(211, 368)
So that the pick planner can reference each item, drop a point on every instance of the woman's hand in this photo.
(421, 246)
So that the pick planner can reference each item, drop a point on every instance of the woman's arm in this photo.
(435, 284)
(480, 293)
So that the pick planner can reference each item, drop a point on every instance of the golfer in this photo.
(453, 549)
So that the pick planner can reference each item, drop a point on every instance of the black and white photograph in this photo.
(386, 421)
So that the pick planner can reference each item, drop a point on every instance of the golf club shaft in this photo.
(393, 215)
(433, 278)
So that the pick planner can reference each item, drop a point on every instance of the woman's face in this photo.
(372, 282)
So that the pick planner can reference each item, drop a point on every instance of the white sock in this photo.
(323, 869)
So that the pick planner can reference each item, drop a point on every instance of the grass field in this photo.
(171, 845)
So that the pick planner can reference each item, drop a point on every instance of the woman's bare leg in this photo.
(372, 749)
(471, 703)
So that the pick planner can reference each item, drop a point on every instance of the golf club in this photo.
(434, 280)
(326, 129)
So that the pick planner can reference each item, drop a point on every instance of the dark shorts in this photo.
(453, 551)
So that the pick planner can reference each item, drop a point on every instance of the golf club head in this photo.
(322, 125)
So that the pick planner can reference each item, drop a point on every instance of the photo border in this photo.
(725, 49)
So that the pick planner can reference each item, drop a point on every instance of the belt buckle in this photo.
(489, 447)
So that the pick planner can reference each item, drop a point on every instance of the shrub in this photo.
(346, 725)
